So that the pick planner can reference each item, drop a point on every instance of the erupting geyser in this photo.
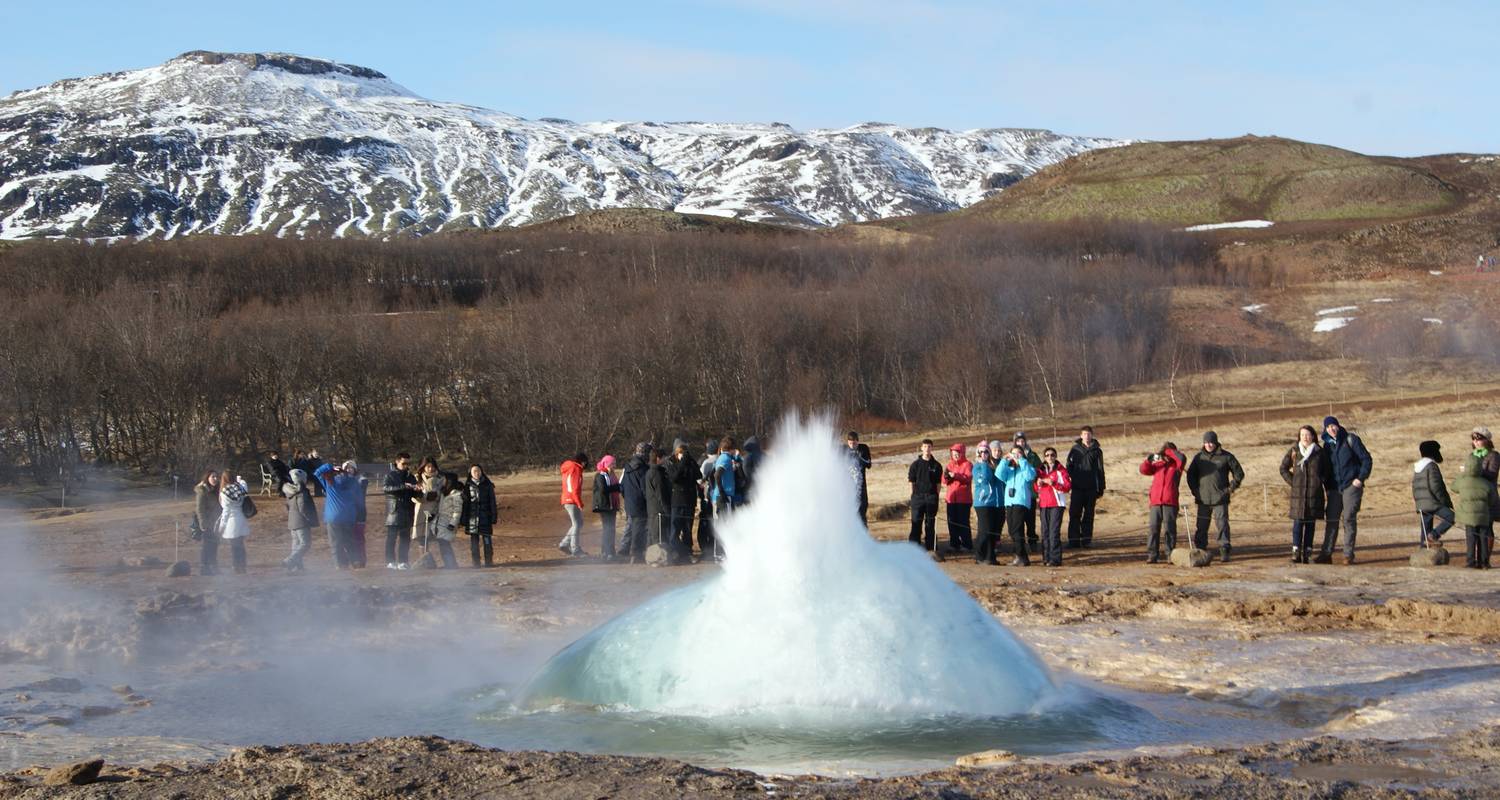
(809, 617)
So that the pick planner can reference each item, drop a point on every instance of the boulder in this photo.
(179, 569)
(1435, 556)
(79, 773)
(658, 555)
(1191, 557)
(987, 758)
(68, 685)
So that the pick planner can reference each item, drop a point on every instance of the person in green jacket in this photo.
(1213, 478)
(1473, 510)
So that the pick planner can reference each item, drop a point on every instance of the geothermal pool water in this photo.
(815, 648)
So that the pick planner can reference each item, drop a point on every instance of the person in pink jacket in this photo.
(1165, 470)
(958, 479)
(1052, 487)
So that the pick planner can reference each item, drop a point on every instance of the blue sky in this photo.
(1380, 77)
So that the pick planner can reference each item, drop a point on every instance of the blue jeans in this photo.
(1445, 517)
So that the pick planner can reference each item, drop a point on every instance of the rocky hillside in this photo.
(293, 146)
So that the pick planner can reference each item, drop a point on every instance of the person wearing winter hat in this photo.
(958, 478)
(1488, 471)
(1350, 462)
(1431, 494)
(1213, 478)
(606, 504)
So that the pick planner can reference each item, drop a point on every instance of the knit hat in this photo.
(1019, 436)
(711, 446)
(606, 464)
(983, 445)
(1210, 438)
(1330, 420)
(1480, 430)
(1432, 450)
(997, 447)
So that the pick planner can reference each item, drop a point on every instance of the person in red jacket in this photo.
(572, 502)
(1165, 470)
(958, 479)
(1052, 487)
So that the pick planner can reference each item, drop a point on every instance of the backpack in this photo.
(248, 506)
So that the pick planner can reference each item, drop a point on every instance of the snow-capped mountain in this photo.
(256, 143)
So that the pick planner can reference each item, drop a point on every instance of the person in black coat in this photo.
(400, 488)
(924, 475)
(658, 503)
(752, 459)
(480, 515)
(1086, 469)
(683, 473)
(279, 469)
(633, 490)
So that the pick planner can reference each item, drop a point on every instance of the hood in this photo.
(960, 449)
(635, 464)
(752, 445)
(299, 478)
(1421, 465)
(605, 464)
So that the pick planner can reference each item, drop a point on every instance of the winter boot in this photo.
(1296, 555)
(1224, 553)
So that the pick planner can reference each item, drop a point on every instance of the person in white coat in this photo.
(233, 524)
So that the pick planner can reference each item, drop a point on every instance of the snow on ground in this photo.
(1253, 308)
(1217, 226)
(1383, 300)
(1432, 320)
(1327, 324)
(1340, 310)
(1434, 272)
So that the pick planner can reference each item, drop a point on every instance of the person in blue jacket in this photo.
(1350, 464)
(344, 495)
(1018, 475)
(987, 507)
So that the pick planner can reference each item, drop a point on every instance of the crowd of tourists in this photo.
(671, 498)
(1011, 486)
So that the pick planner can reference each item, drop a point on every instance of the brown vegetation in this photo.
(515, 347)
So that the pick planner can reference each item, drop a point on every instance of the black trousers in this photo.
(237, 552)
(397, 544)
(705, 526)
(924, 522)
(1081, 519)
(633, 543)
(682, 530)
(959, 535)
(487, 541)
(1052, 536)
(988, 519)
(1015, 517)
(1031, 537)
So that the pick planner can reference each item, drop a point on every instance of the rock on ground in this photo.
(1429, 557)
(79, 773)
(1191, 557)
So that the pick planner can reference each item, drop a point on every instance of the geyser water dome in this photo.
(810, 619)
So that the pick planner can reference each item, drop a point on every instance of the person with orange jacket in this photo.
(1052, 487)
(572, 502)
(958, 479)
(1164, 467)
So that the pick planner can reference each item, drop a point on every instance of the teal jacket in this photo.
(986, 486)
(1020, 482)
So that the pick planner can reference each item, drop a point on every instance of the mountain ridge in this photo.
(278, 143)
